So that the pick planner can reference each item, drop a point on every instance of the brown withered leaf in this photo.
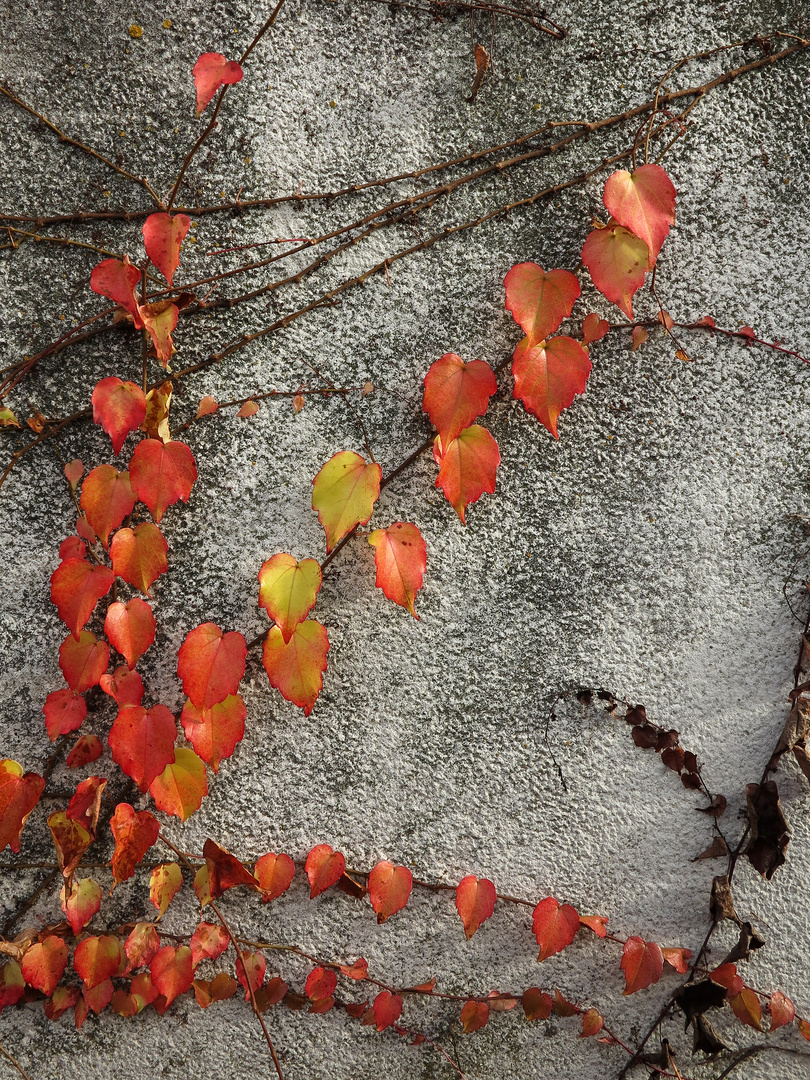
(748, 941)
(716, 849)
(158, 403)
(36, 421)
(695, 999)
(293, 1001)
(796, 730)
(716, 808)
(721, 904)
(636, 714)
(481, 68)
(690, 780)
(769, 829)
(667, 739)
(802, 757)
(351, 887)
(706, 1040)
(672, 757)
(644, 736)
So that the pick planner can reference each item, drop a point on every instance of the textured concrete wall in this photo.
(645, 552)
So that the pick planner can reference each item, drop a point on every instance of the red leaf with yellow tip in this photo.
(536, 1004)
(344, 493)
(106, 499)
(118, 280)
(164, 884)
(208, 942)
(387, 1009)
(142, 742)
(474, 1016)
(389, 888)
(125, 685)
(555, 926)
(81, 903)
(592, 1023)
(161, 474)
(324, 868)
(134, 833)
(64, 712)
(400, 554)
(182, 786)
(642, 964)
(120, 407)
(130, 628)
(83, 661)
(141, 946)
(456, 393)
(211, 71)
(618, 263)
(44, 962)
(539, 300)
(97, 959)
(211, 664)
(162, 236)
(274, 874)
(225, 871)
(64, 998)
(288, 589)
(71, 840)
(76, 588)
(139, 555)
(475, 902)
(644, 202)
(215, 732)
(172, 971)
(86, 750)
(467, 467)
(296, 669)
(549, 376)
(19, 794)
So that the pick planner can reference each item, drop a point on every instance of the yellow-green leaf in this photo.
(344, 493)
(164, 885)
(287, 590)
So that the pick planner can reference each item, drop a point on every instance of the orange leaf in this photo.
(274, 874)
(389, 888)
(474, 1015)
(71, 840)
(83, 661)
(125, 685)
(134, 833)
(548, 377)
(86, 750)
(592, 1023)
(225, 871)
(287, 590)
(220, 988)
(323, 868)
(215, 732)
(161, 320)
(296, 669)
(19, 794)
(182, 786)
(644, 202)
(172, 971)
(618, 263)
(207, 406)
(803, 1026)
(142, 742)
(162, 237)
(106, 499)
(164, 884)
(746, 1007)
(81, 903)
(44, 962)
(467, 467)
(250, 408)
(141, 946)
(208, 942)
(782, 1010)
(456, 393)
(677, 958)
(64, 998)
(161, 475)
(251, 966)
(85, 805)
(210, 72)
(139, 555)
(539, 300)
(400, 556)
(211, 664)
(640, 335)
(642, 964)
(595, 923)
(97, 959)
(120, 407)
(130, 628)
(357, 971)
(118, 281)
(593, 329)
(344, 493)
(555, 926)
(12, 984)
(64, 712)
(76, 588)
(475, 902)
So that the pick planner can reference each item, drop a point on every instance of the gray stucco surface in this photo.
(645, 552)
